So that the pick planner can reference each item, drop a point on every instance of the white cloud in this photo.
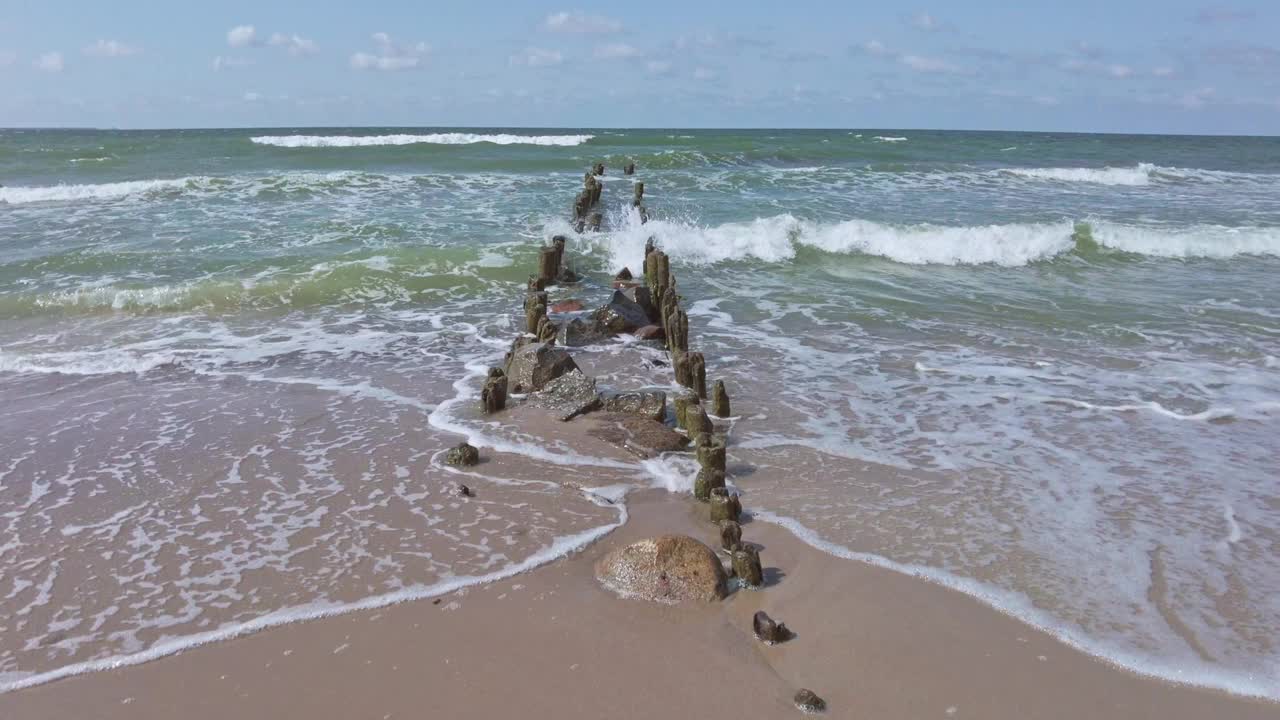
(614, 51)
(110, 48)
(295, 44)
(919, 63)
(576, 22)
(390, 55)
(874, 47)
(227, 63)
(537, 57)
(658, 67)
(49, 62)
(925, 21)
(242, 36)
(702, 73)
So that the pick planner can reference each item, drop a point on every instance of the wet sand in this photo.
(552, 644)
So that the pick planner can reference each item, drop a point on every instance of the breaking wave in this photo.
(100, 191)
(779, 238)
(340, 141)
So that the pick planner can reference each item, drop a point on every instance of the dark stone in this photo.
(566, 277)
(708, 479)
(720, 400)
(534, 365)
(641, 296)
(496, 372)
(520, 341)
(650, 332)
(639, 436)
(624, 274)
(724, 506)
(768, 631)
(621, 315)
(809, 702)
(463, 455)
(564, 306)
(569, 395)
(494, 395)
(644, 403)
(730, 534)
(577, 333)
(746, 566)
(465, 491)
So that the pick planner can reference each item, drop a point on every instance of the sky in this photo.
(1164, 66)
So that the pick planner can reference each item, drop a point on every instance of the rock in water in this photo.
(534, 365)
(667, 569)
(720, 400)
(724, 506)
(463, 455)
(494, 395)
(621, 315)
(808, 701)
(746, 566)
(624, 274)
(569, 395)
(639, 436)
(730, 534)
(650, 404)
(768, 631)
(650, 332)
(565, 306)
(578, 332)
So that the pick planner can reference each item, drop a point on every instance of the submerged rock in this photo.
(463, 455)
(808, 701)
(768, 631)
(578, 332)
(667, 569)
(534, 365)
(569, 395)
(564, 306)
(650, 332)
(643, 403)
(621, 315)
(642, 437)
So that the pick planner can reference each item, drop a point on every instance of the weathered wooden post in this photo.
(730, 534)
(746, 565)
(724, 507)
(630, 169)
(494, 395)
(639, 195)
(548, 265)
(720, 400)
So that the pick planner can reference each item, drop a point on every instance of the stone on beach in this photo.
(650, 404)
(809, 702)
(642, 437)
(767, 630)
(463, 455)
(724, 506)
(746, 565)
(534, 365)
(568, 396)
(667, 569)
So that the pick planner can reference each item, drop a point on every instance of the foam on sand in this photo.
(342, 141)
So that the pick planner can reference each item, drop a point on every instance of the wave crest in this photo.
(342, 141)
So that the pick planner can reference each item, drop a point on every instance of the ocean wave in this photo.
(102, 191)
(1140, 175)
(780, 237)
(340, 141)
(889, 139)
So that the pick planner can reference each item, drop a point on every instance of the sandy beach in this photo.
(553, 644)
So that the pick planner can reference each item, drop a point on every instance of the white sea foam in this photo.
(1140, 175)
(1022, 608)
(20, 195)
(777, 239)
(337, 141)
(90, 362)
(890, 139)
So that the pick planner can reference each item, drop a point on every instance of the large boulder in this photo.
(643, 403)
(621, 315)
(643, 437)
(641, 296)
(534, 365)
(668, 569)
(577, 333)
(569, 395)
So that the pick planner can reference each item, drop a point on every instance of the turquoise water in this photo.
(1039, 368)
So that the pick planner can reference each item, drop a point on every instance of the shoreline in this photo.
(894, 645)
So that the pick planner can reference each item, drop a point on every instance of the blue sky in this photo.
(1087, 65)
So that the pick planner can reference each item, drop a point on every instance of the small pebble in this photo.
(809, 702)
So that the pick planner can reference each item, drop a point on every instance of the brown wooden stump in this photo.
(724, 507)
(707, 481)
(746, 565)
(730, 534)
(720, 400)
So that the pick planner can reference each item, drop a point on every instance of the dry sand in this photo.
(553, 644)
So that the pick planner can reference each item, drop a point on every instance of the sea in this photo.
(1040, 368)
